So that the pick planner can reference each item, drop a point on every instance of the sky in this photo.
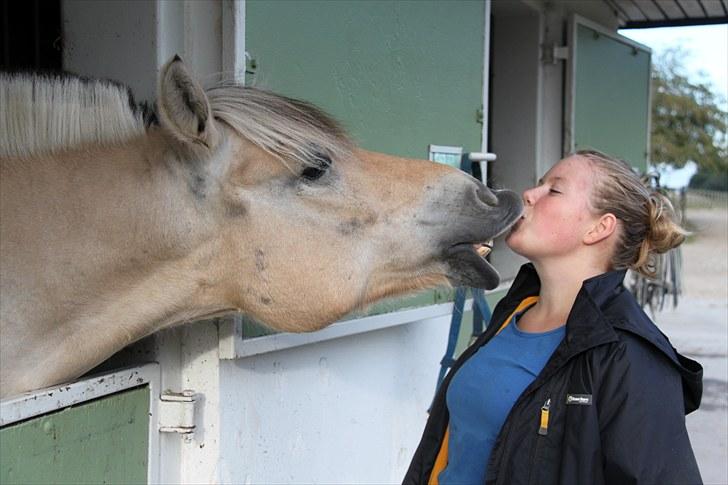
(707, 45)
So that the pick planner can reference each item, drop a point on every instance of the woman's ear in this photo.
(604, 227)
(184, 110)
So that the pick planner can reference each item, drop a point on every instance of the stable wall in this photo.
(347, 410)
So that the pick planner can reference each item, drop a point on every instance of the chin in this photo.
(512, 242)
(516, 248)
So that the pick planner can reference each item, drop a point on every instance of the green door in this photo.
(609, 98)
(101, 441)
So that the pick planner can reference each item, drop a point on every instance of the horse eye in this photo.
(315, 172)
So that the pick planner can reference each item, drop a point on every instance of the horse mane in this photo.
(287, 128)
(45, 113)
(48, 113)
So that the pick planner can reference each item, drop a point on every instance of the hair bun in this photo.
(663, 233)
(648, 223)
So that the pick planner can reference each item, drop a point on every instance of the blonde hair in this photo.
(649, 224)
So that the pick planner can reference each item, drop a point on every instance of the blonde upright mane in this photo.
(45, 114)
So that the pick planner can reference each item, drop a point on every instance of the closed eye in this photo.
(554, 191)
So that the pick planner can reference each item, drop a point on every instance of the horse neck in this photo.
(136, 221)
(146, 193)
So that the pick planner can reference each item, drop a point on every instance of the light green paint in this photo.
(103, 441)
(399, 75)
(611, 105)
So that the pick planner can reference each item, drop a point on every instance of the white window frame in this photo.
(234, 345)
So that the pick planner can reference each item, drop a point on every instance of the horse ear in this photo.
(184, 110)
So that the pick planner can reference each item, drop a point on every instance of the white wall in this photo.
(129, 40)
(112, 39)
(349, 410)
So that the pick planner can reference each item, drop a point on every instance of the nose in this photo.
(529, 196)
(487, 196)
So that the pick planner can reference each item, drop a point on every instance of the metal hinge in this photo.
(177, 412)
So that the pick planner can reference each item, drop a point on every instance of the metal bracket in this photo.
(177, 413)
(482, 157)
(551, 53)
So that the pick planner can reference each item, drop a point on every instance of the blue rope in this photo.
(481, 309)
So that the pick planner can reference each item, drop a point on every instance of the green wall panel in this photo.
(398, 74)
(103, 441)
(611, 105)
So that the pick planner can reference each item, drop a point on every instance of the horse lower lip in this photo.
(469, 268)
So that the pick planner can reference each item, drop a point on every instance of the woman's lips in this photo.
(516, 225)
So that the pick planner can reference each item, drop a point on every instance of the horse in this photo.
(115, 223)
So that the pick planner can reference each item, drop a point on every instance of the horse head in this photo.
(314, 227)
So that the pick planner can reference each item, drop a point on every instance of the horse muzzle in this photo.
(487, 215)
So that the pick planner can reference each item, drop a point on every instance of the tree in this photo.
(688, 119)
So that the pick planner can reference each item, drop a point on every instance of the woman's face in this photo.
(557, 212)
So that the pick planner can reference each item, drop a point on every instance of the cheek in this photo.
(557, 223)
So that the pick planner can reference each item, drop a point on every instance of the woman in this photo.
(576, 385)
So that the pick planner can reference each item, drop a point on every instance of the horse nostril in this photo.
(486, 196)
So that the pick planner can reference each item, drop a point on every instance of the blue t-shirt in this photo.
(482, 393)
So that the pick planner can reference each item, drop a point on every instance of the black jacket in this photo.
(618, 391)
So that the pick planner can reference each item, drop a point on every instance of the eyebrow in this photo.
(541, 180)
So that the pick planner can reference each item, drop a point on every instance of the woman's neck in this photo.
(560, 284)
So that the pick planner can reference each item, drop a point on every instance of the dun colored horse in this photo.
(236, 199)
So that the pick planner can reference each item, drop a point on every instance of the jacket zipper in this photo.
(543, 429)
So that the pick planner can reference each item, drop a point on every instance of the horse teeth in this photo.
(483, 249)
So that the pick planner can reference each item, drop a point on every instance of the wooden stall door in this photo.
(101, 441)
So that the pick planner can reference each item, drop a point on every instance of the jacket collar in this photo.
(586, 325)
(600, 307)
(600, 288)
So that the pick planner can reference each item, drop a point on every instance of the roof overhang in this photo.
(638, 14)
